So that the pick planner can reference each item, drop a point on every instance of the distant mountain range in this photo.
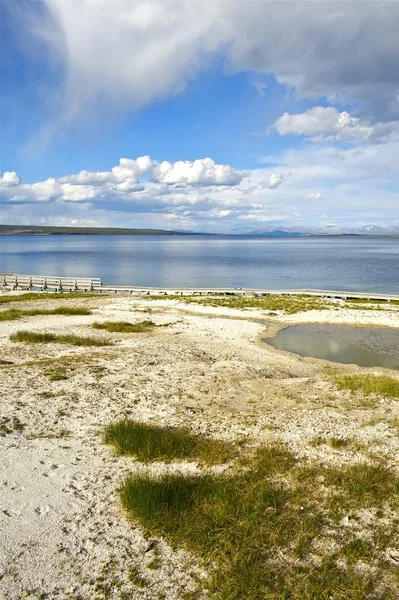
(267, 231)
(329, 230)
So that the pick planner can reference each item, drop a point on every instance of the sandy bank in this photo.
(64, 531)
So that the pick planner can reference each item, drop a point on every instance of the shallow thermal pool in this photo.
(364, 346)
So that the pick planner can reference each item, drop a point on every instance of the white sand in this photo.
(63, 530)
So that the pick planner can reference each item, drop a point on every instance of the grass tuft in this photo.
(369, 484)
(124, 327)
(47, 296)
(30, 337)
(12, 314)
(259, 526)
(56, 374)
(149, 443)
(369, 384)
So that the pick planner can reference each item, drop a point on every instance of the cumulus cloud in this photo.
(127, 174)
(125, 182)
(128, 54)
(275, 180)
(315, 196)
(348, 184)
(327, 123)
(9, 179)
(201, 172)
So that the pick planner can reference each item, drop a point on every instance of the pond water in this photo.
(363, 346)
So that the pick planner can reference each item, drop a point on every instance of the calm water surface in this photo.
(364, 346)
(341, 263)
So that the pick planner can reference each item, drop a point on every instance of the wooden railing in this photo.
(44, 282)
(70, 284)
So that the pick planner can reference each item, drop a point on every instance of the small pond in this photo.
(364, 346)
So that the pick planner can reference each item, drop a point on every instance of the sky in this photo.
(222, 116)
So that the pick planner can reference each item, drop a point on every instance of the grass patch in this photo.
(47, 296)
(30, 337)
(149, 443)
(135, 577)
(361, 301)
(369, 384)
(362, 483)
(124, 327)
(56, 374)
(340, 442)
(259, 527)
(13, 314)
(288, 304)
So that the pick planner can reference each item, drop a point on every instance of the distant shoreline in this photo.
(55, 230)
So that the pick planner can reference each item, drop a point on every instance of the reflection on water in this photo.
(346, 263)
(364, 346)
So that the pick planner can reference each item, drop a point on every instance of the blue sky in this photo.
(250, 114)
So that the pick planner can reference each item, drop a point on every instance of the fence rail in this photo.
(12, 281)
(45, 282)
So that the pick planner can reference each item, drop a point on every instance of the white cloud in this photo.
(127, 54)
(201, 172)
(9, 179)
(127, 174)
(315, 196)
(275, 180)
(327, 124)
(260, 88)
(342, 186)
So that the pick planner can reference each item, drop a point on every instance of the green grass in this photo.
(368, 484)
(57, 374)
(30, 337)
(287, 304)
(369, 384)
(258, 527)
(365, 301)
(124, 327)
(149, 443)
(47, 296)
(12, 314)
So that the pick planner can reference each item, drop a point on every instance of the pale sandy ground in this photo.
(63, 530)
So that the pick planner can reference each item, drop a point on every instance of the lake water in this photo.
(364, 346)
(339, 263)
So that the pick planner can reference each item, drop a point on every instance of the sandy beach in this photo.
(64, 532)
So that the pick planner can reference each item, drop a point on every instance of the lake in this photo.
(341, 263)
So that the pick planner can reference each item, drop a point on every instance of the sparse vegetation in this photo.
(149, 443)
(369, 384)
(362, 301)
(124, 327)
(30, 337)
(364, 484)
(56, 374)
(10, 425)
(46, 296)
(339, 442)
(12, 314)
(135, 577)
(288, 304)
(263, 526)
